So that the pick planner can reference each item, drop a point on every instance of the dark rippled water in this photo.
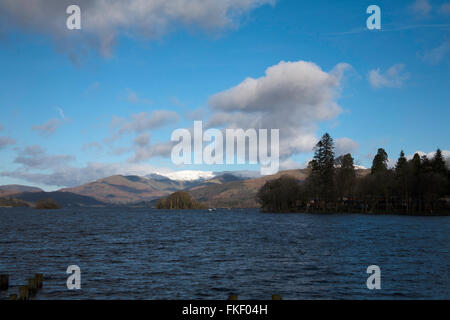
(149, 254)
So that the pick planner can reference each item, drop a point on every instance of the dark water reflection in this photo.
(149, 254)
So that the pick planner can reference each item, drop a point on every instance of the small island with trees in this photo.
(413, 187)
(181, 200)
(47, 204)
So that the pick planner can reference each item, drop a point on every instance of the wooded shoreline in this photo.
(419, 186)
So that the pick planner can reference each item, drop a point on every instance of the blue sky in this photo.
(64, 98)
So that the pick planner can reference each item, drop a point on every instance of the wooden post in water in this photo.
(13, 296)
(276, 297)
(39, 280)
(32, 285)
(4, 282)
(233, 297)
(24, 293)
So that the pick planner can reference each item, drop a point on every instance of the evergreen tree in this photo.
(402, 176)
(416, 163)
(345, 175)
(323, 166)
(438, 163)
(401, 165)
(379, 164)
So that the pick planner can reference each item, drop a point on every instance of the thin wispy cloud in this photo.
(392, 29)
(445, 8)
(6, 141)
(61, 112)
(420, 7)
(438, 54)
(134, 98)
(36, 157)
(47, 128)
(394, 77)
(144, 121)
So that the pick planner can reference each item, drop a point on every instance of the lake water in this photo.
(150, 254)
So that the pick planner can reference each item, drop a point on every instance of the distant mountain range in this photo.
(215, 189)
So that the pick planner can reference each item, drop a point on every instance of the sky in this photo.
(79, 105)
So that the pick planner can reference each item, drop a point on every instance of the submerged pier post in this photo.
(32, 285)
(4, 282)
(39, 280)
(276, 297)
(232, 297)
(24, 293)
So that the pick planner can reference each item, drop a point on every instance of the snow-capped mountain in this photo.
(184, 175)
(198, 175)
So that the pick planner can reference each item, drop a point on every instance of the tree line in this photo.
(420, 185)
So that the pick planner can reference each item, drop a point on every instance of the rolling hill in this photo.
(65, 199)
(127, 189)
(11, 189)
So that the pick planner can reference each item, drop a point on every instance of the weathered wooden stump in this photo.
(4, 282)
(232, 297)
(24, 293)
(39, 280)
(13, 296)
(32, 285)
(276, 297)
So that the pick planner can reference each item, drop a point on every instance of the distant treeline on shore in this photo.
(417, 186)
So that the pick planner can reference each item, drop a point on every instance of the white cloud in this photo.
(48, 128)
(445, 8)
(141, 122)
(134, 98)
(394, 77)
(142, 140)
(35, 157)
(61, 112)
(147, 151)
(344, 146)
(290, 164)
(436, 55)
(421, 7)
(6, 141)
(92, 146)
(292, 96)
(102, 21)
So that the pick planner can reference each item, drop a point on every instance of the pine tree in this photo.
(323, 166)
(345, 175)
(379, 164)
(438, 163)
(402, 164)
(401, 172)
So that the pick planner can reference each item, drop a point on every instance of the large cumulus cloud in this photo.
(292, 96)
